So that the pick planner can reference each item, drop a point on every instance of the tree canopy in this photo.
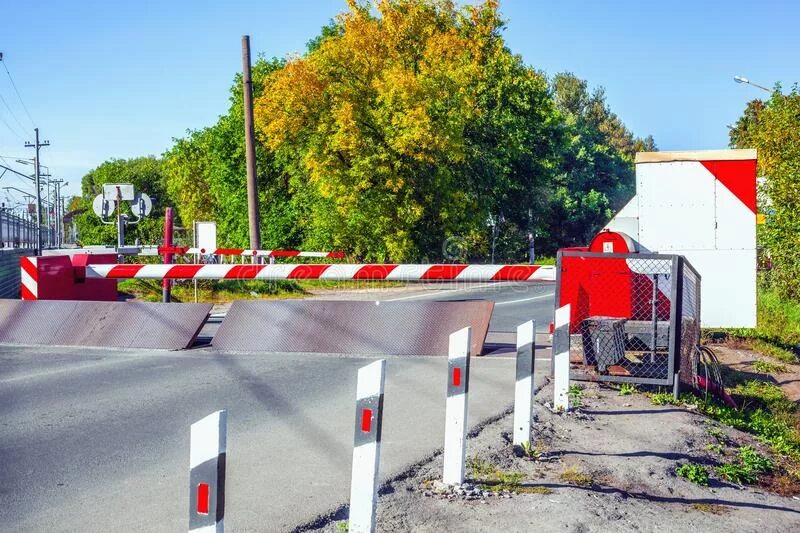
(773, 128)
(401, 131)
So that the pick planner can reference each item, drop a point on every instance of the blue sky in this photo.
(107, 79)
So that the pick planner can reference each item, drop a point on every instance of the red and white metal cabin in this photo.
(701, 205)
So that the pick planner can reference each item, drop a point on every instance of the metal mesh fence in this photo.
(634, 317)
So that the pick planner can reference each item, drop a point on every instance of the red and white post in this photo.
(207, 473)
(455, 431)
(523, 388)
(561, 359)
(367, 447)
(29, 278)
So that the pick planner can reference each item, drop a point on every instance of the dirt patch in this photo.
(610, 466)
(737, 357)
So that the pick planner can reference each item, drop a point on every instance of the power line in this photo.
(17, 91)
(12, 130)
(11, 112)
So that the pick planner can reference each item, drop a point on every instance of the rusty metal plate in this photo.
(101, 324)
(399, 328)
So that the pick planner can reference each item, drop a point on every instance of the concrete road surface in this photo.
(97, 440)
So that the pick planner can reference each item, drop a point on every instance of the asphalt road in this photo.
(97, 440)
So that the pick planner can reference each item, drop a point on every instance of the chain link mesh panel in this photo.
(624, 324)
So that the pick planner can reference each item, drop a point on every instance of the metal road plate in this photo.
(101, 324)
(392, 328)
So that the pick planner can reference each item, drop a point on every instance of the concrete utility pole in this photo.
(37, 145)
(57, 212)
(250, 147)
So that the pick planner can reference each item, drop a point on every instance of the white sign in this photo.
(205, 236)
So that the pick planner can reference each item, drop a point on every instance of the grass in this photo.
(219, 291)
(627, 389)
(489, 477)
(575, 393)
(574, 476)
(664, 398)
(711, 508)
(768, 367)
(718, 449)
(765, 412)
(693, 472)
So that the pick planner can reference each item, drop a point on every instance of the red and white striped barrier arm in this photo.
(239, 251)
(389, 272)
(455, 430)
(29, 278)
(207, 450)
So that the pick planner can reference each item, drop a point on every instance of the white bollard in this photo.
(207, 449)
(561, 359)
(523, 388)
(367, 447)
(455, 431)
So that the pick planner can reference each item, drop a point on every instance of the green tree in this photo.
(147, 175)
(597, 175)
(409, 124)
(773, 128)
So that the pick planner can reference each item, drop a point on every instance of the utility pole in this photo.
(37, 145)
(250, 148)
(57, 211)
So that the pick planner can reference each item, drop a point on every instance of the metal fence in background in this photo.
(636, 317)
(9, 271)
(16, 232)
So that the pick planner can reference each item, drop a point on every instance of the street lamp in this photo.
(742, 79)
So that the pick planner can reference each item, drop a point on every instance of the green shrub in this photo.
(693, 472)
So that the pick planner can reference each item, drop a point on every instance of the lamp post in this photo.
(742, 79)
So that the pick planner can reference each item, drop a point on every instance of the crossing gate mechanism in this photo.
(634, 317)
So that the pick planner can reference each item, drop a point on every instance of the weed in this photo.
(486, 471)
(575, 393)
(574, 476)
(663, 398)
(711, 508)
(693, 472)
(716, 448)
(627, 389)
(768, 367)
(529, 451)
(755, 461)
(765, 412)
(737, 474)
(720, 436)
(343, 526)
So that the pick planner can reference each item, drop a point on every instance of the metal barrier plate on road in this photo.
(392, 328)
(101, 324)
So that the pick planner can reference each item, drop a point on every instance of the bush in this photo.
(693, 472)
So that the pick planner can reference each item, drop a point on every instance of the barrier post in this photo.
(455, 432)
(207, 473)
(366, 447)
(561, 359)
(166, 284)
(523, 388)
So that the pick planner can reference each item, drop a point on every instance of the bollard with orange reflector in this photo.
(455, 432)
(207, 473)
(366, 447)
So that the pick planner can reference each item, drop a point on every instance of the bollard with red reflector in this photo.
(207, 473)
(523, 388)
(455, 431)
(366, 447)
(561, 359)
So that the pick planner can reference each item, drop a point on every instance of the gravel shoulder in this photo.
(609, 466)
